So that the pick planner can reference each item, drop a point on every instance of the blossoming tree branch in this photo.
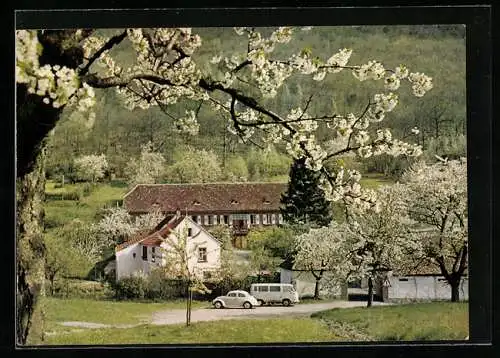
(240, 86)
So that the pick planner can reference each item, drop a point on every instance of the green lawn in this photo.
(107, 312)
(422, 321)
(228, 331)
(374, 180)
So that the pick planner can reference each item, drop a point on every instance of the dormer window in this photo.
(234, 201)
(196, 202)
(265, 201)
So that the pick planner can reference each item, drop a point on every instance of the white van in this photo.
(269, 293)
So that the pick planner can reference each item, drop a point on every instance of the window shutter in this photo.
(198, 220)
(264, 219)
(221, 219)
(206, 219)
(280, 219)
(215, 219)
(257, 217)
(230, 219)
(273, 219)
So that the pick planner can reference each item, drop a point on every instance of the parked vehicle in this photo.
(237, 298)
(269, 293)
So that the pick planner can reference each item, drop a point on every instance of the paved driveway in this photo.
(211, 314)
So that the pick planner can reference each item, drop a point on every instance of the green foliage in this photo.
(75, 288)
(133, 287)
(193, 165)
(277, 242)
(304, 201)
(264, 164)
(451, 147)
(236, 169)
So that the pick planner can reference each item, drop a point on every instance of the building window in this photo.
(215, 219)
(206, 219)
(195, 218)
(264, 219)
(257, 219)
(210, 220)
(153, 254)
(202, 254)
(190, 232)
(198, 219)
(273, 219)
(253, 219)
(268, 219)
(145, 253)
(133, 255)
(226, 219)
(280, 219)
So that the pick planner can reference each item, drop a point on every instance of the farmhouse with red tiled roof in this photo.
(149, 250)
(239, 205)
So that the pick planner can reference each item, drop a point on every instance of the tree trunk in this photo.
(34, 121)
(370, 292)
(455, 289)
(316, 289)
(30, 248)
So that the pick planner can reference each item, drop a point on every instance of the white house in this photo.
(145, 252)
(422, 287)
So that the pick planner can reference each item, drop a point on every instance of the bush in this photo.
(131, 288)
(87, 189)
(72, 288)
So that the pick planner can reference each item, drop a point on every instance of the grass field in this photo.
(422, 321)
(229, 331)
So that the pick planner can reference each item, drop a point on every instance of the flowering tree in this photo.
(380, 240)
(324, 250)
(60, 68)
(91, 167)
(437, 197)
(148, 169)
(117, 225)
(179, 254)
(195, 166)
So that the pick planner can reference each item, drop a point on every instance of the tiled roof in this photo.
(205, 198)
(153, 237)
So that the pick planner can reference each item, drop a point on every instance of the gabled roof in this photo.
(203, 198)
(154, 236)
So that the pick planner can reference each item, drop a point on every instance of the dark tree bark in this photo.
(370, 292)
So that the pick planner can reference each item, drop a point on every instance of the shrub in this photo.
(73, 288)
(131, 288)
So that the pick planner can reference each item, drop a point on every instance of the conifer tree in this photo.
(304, 201)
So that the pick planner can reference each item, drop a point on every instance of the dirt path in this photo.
(211, 314)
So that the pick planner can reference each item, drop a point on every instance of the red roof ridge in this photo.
(144, 235)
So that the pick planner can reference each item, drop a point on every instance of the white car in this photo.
(236, 298)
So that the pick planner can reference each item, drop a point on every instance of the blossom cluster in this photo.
(188, 124)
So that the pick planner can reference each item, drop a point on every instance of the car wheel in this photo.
(218, 304)
(247, 305)
(286, 302)
(261, 302)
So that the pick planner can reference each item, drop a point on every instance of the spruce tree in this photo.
(304, 201)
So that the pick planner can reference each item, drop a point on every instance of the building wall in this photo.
(127, 264)
(423, 287)
(305, 282)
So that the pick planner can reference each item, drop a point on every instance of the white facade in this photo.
(304, 283)
(130, 260)
(424, 288)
